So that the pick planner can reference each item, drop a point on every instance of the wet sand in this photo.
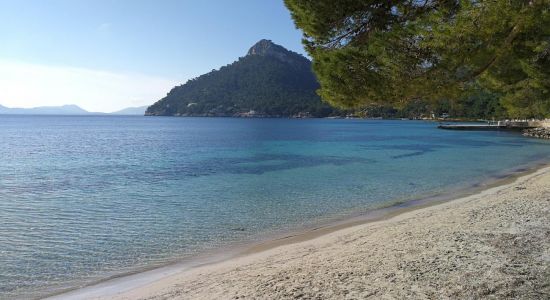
(495, 244)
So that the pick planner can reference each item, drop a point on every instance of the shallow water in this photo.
(89, 197)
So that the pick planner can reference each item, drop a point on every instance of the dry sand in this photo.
(495, 244)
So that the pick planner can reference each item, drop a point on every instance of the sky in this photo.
(105, 55)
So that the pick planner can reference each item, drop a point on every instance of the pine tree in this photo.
(394, 52)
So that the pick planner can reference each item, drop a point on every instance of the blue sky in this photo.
(106, 54)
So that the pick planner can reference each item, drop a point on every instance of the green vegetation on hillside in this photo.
(269, 80)
(448, 53)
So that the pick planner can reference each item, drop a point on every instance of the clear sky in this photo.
(104, 55)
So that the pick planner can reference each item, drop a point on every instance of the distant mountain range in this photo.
(45, 110)
(140, 110)
(270, 81)
(67, 110)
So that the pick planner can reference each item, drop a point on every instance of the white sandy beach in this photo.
(494, 244)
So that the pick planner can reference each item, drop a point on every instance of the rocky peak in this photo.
(268, 48)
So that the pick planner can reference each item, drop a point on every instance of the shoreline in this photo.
(117, 286)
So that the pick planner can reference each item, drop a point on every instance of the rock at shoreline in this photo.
(540, 132)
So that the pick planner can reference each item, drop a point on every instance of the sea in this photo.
(87, 198)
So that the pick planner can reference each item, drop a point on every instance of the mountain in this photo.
(131, 111)
(45, 110)
(68, 110)
(270, 81)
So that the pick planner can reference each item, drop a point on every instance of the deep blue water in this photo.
(84, 198)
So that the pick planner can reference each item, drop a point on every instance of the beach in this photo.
(260, 184)
(495, 244)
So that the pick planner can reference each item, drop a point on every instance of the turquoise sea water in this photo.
(89, 197)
